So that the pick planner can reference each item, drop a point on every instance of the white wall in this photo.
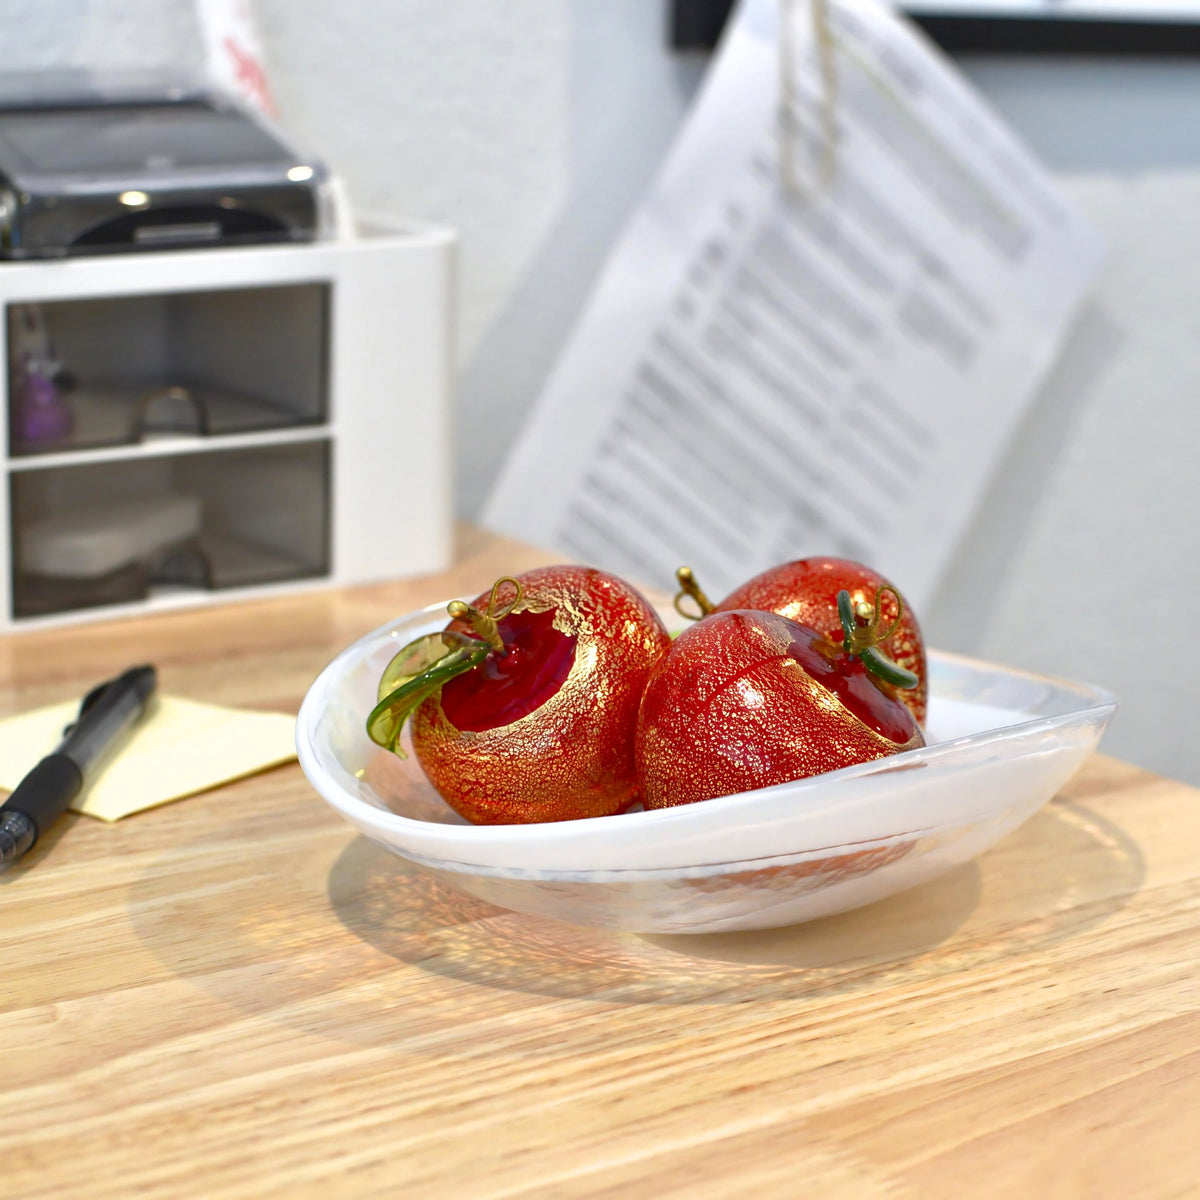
(534, 125)
(1085, 556)
(119, 35)
(1086, 552)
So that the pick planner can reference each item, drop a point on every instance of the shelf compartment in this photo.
(117, 532)
(116, 371)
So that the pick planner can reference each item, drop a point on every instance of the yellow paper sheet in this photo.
(179, 747)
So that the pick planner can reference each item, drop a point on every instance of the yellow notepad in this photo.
(179, 747)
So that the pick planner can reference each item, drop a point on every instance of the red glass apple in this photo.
(747, 699)
(807, 590)
(524, 709)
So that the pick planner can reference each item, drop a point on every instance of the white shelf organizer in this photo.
(289, 405)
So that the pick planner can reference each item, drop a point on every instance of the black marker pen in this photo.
(107, 714)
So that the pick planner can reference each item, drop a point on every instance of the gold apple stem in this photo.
(867, 633)
(689, 588)
(485, 623)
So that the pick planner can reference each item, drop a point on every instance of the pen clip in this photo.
(86, 703)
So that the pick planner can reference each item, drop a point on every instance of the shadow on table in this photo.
(346, 963)
(1065, 871)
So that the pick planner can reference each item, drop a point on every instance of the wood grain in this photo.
(235, 996)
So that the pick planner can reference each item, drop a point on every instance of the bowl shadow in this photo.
(1066, 870)
(363, 947)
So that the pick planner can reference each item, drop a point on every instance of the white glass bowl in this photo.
(1002, 743)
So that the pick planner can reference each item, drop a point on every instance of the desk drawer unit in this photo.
(191, 425)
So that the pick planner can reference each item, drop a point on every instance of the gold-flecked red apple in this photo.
(525, 708)
(807, 590)
(747, 699)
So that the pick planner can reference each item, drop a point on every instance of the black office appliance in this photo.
(112, 172)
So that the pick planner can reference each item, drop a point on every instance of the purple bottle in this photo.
(40, 414)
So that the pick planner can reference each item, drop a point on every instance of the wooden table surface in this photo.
(236, 996)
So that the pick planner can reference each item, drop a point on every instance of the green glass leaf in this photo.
(846, 615)
(388, 716)
(417, 657)
(890, 672)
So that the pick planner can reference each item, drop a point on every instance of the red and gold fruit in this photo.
(540, 725)
(748, 699)
(806, 591)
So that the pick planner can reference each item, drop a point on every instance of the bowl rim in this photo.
(1097, 702)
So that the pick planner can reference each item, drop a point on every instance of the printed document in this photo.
(820, 329)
